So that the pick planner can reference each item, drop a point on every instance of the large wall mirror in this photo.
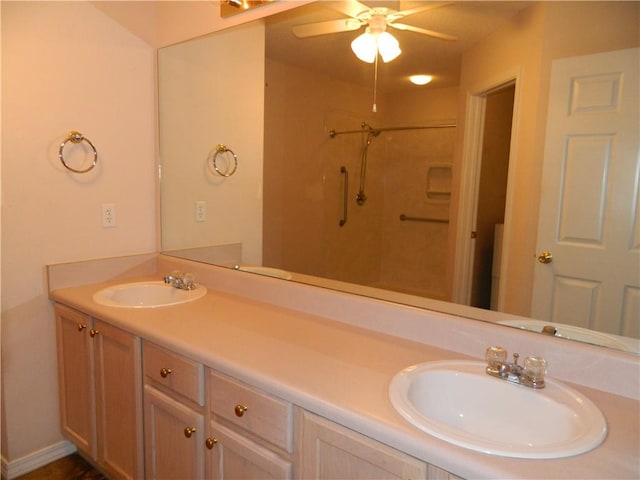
(485, 193)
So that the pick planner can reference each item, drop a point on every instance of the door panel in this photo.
(589, 201)
(584, 189)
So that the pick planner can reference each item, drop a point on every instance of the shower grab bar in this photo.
(333, 133)
(405, 218)
(345, 195)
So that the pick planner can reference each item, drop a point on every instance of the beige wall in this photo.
(181, 20)
(162, 23)
(65, 67)
(202, 106)
(527, 45)
(88, 66)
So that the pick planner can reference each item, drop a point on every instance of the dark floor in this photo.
(73, 467)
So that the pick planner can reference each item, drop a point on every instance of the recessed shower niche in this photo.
(439, 177)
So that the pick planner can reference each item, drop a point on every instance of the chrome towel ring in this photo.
(221, 150)
(77, 137)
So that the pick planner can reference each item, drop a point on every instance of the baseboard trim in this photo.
(35, 460)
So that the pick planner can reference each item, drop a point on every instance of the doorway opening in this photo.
(492, 194)
(485, 188)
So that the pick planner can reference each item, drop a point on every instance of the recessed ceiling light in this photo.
(420, 79)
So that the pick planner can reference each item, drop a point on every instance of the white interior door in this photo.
(589, 218)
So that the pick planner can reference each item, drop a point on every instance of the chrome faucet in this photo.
(178, 280)
(530, 375)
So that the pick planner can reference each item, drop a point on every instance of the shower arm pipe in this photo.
(333, 133)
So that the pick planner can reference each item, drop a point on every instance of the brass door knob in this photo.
(211, 442)
(188, 431)
(93, 332)
(165, 372)
(81, 327)
(545, 257)
(240, 409)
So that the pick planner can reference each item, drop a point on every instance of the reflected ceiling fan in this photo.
(375, 20)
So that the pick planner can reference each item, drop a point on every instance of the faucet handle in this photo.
(535, 368)
(187, 281)
(172, 276)
(496, 357)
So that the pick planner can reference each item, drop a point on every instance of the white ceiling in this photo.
(469, 21)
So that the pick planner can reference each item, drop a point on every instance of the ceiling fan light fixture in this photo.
(388, 47)
(365, 47)
(368, 45)
(420, 79)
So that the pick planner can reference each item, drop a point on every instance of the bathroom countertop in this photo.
(343, 372)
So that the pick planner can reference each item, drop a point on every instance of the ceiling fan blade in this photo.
(424, 31)
(323, 28)
(352, 8)
(411, 11)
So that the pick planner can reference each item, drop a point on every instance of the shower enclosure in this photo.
(367, 205)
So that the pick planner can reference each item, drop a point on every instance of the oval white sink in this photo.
(146, 295)
(458, 402)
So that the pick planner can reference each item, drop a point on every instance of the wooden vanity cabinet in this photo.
(333, 452)
(174, 415)
(199, 424)
(235, 456)
(100, 392)
(236, 432)
(251, 433)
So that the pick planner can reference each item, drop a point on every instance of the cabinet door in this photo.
(330, 451)
(234, 457)
(75, 378)
(174, 438)
(118, 401)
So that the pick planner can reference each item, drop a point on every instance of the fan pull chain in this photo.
(375, 83)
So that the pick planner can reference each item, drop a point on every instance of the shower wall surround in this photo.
(408, 256)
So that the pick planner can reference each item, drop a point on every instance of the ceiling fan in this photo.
(375, 41)
(376, 19)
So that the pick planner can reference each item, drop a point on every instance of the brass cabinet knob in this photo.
(211, 442)
(81, 327)
(165, 372)
(93, 332)
(240, 409)
(188, 431)
(545, 257)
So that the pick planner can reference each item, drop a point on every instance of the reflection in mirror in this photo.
(329, 192)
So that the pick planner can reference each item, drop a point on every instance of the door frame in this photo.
(469, 184)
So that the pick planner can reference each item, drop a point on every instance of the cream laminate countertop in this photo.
(342, 372)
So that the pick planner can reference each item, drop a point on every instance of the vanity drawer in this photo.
(264, 415)
(179, 374)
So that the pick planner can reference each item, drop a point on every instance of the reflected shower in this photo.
(371, 132)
